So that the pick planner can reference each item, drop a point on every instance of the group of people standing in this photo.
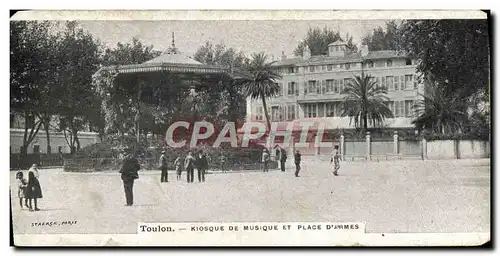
(191, 162)
(266, 158)
(30, 189)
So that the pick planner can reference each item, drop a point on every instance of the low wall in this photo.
(57, 140)
(457, 149)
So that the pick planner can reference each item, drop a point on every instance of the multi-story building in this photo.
(312, 86)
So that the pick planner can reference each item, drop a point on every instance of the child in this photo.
(336, 160)
(33, 190)
(177, 164)
(21, 193)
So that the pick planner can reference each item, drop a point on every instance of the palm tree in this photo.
(365, 102)
(262, 85)
(438, 112)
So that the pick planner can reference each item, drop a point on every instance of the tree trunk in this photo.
(365, 122)
(47, 133)
(264, 105)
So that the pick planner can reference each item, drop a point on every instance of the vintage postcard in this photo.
(250, 128)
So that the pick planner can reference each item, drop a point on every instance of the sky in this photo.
(271, 36)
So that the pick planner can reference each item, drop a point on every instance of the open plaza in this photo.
(388, 196)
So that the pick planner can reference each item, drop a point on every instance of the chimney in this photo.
(283, 56)
(307, 53)
(364, 50)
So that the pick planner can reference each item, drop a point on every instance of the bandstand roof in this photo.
(176, 62)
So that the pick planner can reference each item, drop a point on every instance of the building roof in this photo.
(174, 58)
(338, 42)
(385, 55)
(349, 58)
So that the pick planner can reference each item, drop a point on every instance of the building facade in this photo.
(312, 86)
(58, 141)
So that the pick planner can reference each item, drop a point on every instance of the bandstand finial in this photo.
(173, 40)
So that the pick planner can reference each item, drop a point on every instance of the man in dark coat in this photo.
(297, 163)
(163, 167)
(129, 170)
(189, 165)
(283, 159)
(202, 166)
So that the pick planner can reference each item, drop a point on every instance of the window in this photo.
(341, 65)
(370, 64)
(401, 82)
(313, 88)
(36, 149)
(296, 89)
(312, 110)
(259, 114)
(399, 107)
(330, 109)
(409, 108)
(291, 70)
(277, 113)
(338, 108)
(291, 112)
(347, 66)
(291, 88)
(388, 63)
(30, 122)
(383, 82)
(323, 86)
(311, 69)
(389, 82)
(396, 83)
(305, 88)
(378, 82)
(60, 149)
(408, 81)
(278, 92)
(323, 67)
(341, 85)
(390, 105)
(408, 62)
(330, 67)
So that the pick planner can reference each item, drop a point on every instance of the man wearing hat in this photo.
(129, 170)
(297, 157)
(163, 167)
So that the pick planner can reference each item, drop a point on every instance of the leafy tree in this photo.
(318, 40)
(439, 113)
(228, 101)
(454, 52)
(79, 58)
(365, 102)
(129, 53)
(31, 70)
(262, 85)
(388, 39)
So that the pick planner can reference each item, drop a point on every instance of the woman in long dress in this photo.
(33, 191)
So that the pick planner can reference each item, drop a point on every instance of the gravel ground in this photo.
(391, 196)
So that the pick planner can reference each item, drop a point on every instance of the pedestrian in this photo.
(22, 185)
(33, 191)
(297, 163)
(223, 166)
(34, 169)
(265, 159)
(335, 160)
(129, 169)
(163, 167)
(178, 170)
(202, 166)
(283, 159)
(189, 165)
